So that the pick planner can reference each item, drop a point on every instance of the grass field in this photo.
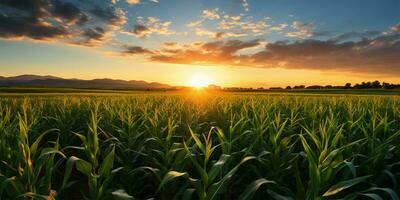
(169, 145)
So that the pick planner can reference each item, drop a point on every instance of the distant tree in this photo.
(314, 87)
(347, 86)
(328, 86)
(388, 86)
(299, 87)
(288, 87)
(376, 84)
(363, 85)
(275, 88)
(385, 85)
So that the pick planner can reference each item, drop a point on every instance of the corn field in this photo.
(222, 146)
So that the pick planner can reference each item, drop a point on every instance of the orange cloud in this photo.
(380, 55)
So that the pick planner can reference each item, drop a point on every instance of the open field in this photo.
(171, 145)
(59, 90)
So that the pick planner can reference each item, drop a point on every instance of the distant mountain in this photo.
(27, 77)
(53, 81)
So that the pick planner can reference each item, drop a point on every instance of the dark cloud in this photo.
(229, 47)
(34, 8)
(219, 35)
(220, 52)
(92, 37)
(356, 35)
(95, 33)
(58, 20)
(380, 55)
(17, 26)
(170, 44)
(140, 31)
(133, 50)
(69, 12)
(108, 15)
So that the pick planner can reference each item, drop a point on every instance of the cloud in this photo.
(114, 17)
(69, 12)
(170, 44)
(229, 25)
(205, 32)
(247, 26)
(92, 37)
(59, 21)
(379, 55)
(301, 30)
(219, 52)
(356, 35)
(34, 8)
(245, 5)
(279, 27)
(16, 27)
(132, 2)
(211, 14)
(28, 20)
(195, 23)
(395, 29)
(218, 34)
(140, 31)
(151, 25)
(230, 34)
(135, 50)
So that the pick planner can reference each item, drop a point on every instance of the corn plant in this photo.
(99, 173)
(199, 146)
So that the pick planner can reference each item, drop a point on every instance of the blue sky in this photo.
(229, 41)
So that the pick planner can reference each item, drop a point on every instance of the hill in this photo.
(52, 81)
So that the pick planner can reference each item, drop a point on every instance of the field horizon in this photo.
(53, 82)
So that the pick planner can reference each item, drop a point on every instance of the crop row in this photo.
(200, 147)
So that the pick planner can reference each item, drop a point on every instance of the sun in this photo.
(199, 81)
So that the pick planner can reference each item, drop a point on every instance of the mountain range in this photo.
(53, 81)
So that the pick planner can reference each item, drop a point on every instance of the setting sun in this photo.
(199, 81)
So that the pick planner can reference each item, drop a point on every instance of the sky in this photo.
(246, 43)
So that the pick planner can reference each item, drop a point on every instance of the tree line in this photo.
(363, 85)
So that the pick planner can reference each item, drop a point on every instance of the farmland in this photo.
(171, 145)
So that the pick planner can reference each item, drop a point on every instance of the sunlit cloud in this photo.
(395, 29)
(151, 25)
(196, 23)
(211, 14)
(237, 23)
(380, 54)
(279, 27)
(218, 34)
(301, 30)
(134, 50)
(245, 5)
(132, 2)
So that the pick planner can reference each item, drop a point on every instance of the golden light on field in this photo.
(199, 81)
